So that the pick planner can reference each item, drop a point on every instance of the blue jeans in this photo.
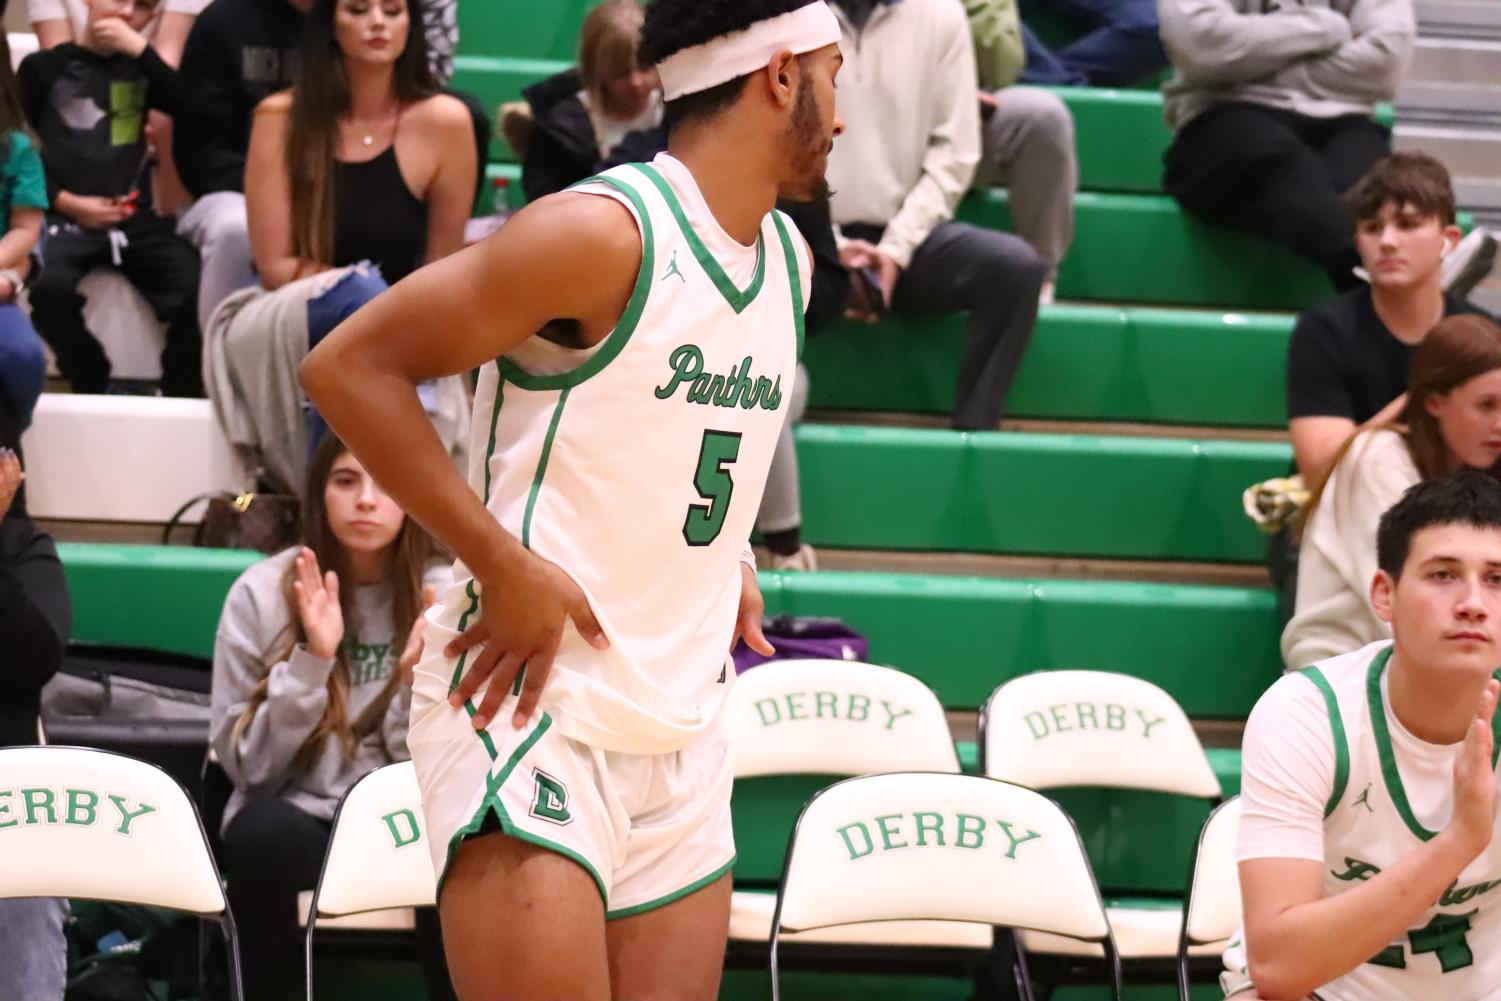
(23, 364)
(1120, 47)
(33, 952)
(325, 313)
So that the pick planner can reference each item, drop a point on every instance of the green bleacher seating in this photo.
(1095, 363)
(1036, 494)
(960, 635)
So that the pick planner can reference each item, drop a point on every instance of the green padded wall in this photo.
(1213, 648)
(1039, 494)
(1095, 363)
(535, 29)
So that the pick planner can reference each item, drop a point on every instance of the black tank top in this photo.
(377, 218)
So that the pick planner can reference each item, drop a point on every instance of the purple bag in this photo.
(804, 638)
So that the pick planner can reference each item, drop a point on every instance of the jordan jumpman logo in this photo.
(672, 269)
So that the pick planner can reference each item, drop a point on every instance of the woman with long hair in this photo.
(23, 198)
(311, 690)
(1452, 421)
(583, 113)
(357, 176)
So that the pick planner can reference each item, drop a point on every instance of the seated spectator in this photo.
(23, 197)
(1451, 420)
(1347, 361)
(1119, 46)
(1027, 144)
(87, 105)
(1368, 836)
(1271, 107)
(581, 115)
(356, 177)
(312, 689)
(35, 622)
(908, 155)
(239, 53)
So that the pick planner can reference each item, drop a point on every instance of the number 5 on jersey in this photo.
(714, 484)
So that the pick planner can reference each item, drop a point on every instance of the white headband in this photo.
(723, 59)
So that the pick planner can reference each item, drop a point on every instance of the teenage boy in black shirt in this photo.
(87, 103)
(1348, 359)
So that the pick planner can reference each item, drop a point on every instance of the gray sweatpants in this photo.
(1029, 149)
(781, 504)
(33, 952)
(217, 226)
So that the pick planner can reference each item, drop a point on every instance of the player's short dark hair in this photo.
(674, 25)
(1415, 179)
(1469, 497)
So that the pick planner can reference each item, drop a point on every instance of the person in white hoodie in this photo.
(311, 690)
(1451, 421)
(1271, 108)
(910, 152)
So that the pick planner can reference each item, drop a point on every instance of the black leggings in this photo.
(272, 851)
(1280, 174)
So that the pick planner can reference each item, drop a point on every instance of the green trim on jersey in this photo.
(737, 299)
(531, 500)
(674, 896)
(500, 390)
(1341, 741)
(458, 667)
(1389, 770)
(616, 341)
(794, 279)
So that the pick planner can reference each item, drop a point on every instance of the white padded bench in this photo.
(124, 458)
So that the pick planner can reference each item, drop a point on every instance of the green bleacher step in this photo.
(1213, 648)
(1032, 494)
(1087, 363)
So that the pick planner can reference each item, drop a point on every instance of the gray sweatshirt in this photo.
(260, 762)
(1320, 58)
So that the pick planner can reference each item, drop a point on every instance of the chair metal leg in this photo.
(236, 981)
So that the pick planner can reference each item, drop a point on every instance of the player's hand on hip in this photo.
(1475, 778)
(521, 625)
(752, 610)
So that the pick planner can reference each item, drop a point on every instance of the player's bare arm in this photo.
(1297, 939)
(451, 317)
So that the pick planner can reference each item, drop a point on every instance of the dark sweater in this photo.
(89, 111)
(239, 53)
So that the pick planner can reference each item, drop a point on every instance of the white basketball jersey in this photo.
(1379, 812)
(637, 466)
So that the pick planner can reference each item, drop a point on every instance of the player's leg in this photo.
(675, 952)
(522, 923)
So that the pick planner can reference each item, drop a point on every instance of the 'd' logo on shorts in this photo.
(551, 801)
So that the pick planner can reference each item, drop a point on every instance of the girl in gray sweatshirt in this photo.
(311, 690)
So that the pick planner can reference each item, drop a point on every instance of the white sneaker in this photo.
(804, 560)
(1470, 262)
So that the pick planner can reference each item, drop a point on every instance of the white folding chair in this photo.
(377, 861)
(96, 825)
(1212, 912)
(939, 847)
(1099, 729)
(837, 718)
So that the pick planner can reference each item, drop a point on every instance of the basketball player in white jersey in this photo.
(637, 340)
(1369, 859)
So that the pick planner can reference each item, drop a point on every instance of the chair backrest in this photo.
(77, 822)
(1212, 911)
(1092, 728)
(377, 854)
(913, 845)
(835, 717)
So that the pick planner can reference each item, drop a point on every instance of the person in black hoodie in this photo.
(87, 104)
(35, 619)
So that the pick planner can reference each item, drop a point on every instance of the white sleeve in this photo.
(1287, 773)
(193, 7)
(1374, 475)
(46, 10)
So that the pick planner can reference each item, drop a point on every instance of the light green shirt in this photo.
(999, 53)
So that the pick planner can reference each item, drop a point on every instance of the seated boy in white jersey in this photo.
(1369, 862)
(637, 339)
